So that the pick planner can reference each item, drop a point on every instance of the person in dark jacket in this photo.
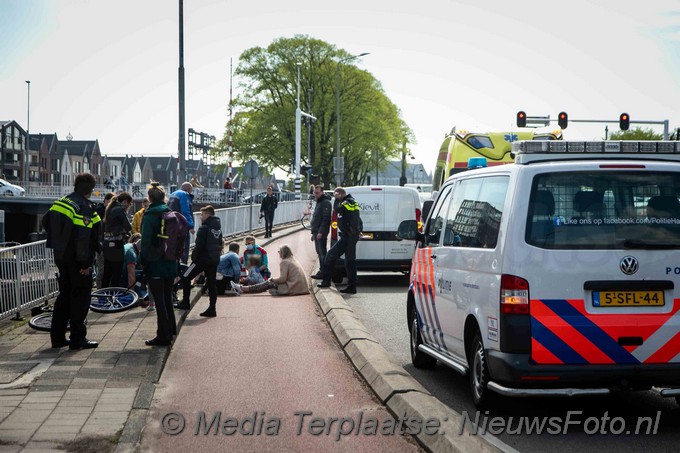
(321, 225)
(269, 205)
(72, 226)
(205, 258)
(350, 226)
(160, 272)
(117, 229)
(99, 262)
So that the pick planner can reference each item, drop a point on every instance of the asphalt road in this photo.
(381, 305)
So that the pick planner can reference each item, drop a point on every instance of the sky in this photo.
(107, 70)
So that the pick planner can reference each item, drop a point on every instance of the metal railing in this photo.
(28, 275)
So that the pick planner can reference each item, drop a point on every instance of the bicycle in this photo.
(104, 300)
(306, 219)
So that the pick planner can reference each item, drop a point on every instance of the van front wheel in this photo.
(479, 373)
(418, 357)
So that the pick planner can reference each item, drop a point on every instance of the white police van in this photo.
(555, 275)
(382, 208)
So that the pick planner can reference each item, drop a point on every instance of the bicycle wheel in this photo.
(41, 322)
(113, 300)
(305, 220)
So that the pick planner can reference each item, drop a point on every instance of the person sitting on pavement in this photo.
(229, 269)
(254, 273)
(204, 258)
(290, 282)
(137, 218)
(253, 248)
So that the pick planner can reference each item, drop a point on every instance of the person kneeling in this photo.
(291, 280)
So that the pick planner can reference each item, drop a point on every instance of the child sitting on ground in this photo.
(254, 273)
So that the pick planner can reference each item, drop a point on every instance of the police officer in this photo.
(350, 226)
(72, 226)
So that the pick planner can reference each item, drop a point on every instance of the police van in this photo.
(555, 275)
(382, 208)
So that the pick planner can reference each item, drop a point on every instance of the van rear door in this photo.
(372, 207)
(399, 205)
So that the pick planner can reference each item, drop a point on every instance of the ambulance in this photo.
(557, 275)
(459, 147)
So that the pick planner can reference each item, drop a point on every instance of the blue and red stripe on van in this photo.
(564, 333)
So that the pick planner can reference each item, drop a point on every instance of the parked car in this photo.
(10, 190)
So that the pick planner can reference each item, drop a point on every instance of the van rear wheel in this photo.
(479, 373)
(677, 400)
(418, 357)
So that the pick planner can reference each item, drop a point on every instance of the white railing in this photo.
(28, 277)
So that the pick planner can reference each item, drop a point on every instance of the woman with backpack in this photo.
(159, 270)
(116, 232)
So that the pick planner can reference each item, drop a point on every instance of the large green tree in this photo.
(264, 125)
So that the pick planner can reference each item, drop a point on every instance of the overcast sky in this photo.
(107, 70)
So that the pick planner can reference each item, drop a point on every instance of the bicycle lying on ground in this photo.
(104, 300)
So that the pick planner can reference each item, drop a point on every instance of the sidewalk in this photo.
(85, 400)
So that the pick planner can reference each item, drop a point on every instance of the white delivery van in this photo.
(382, 208)
(424, 191)
(557, 275)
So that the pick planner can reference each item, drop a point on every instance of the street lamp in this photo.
(28, 127)
(298, 124)
(339, 165)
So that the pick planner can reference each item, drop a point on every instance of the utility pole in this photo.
(181, 171)
(27, 162)
(298, 124)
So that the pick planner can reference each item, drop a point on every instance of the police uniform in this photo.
(350, 226)
(72, 226)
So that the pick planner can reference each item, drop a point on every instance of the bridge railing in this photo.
(28, 275)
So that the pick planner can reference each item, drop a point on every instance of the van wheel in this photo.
(418, 357)
(479, 373)
(677, 400)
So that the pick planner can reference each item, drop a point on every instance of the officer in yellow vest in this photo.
(72, 226)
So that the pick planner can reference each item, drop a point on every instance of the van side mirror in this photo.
(427, 207)
(408, 229)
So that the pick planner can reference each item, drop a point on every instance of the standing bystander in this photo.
(137, 218)
(321, 225)
(180, 201)
(267, 208)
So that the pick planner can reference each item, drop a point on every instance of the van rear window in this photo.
(604, 210)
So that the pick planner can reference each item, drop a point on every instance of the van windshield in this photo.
(619, 209)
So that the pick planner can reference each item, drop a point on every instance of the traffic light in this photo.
(624, 122)
(521, 119)
(305, 169)
(563, 120)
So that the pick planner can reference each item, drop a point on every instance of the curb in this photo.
(401, 393)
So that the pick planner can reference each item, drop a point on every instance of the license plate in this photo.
(627, 298)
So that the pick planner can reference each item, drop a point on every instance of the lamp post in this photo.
(28, 128)
(339, 164)
(298, 124)
(182, 170)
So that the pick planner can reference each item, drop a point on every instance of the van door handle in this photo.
(433, 256)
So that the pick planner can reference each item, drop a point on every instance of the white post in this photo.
(298, 124)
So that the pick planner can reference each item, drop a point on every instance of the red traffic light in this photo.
(563, 120)
(624, 122)
(521, 119)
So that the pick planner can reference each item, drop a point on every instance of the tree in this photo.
(636, 134)
(264, 128)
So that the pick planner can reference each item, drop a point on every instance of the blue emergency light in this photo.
(476, 162)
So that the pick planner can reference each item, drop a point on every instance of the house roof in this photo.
(7, 123)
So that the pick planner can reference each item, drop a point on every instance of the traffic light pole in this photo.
(664, 122)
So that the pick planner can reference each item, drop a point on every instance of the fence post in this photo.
(17, 283)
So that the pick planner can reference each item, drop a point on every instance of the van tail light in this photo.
(514, 295)
(419, 220)
(334, 226)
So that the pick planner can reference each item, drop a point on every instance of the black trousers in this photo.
(268, 222)
(210, 276)
(321, 249)
(72, 304)
(345, 246)
(161, 289)
(112, 273)
(224, 285)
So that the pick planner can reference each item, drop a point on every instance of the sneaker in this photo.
(151, 308)
(317, 276)
(236, 287)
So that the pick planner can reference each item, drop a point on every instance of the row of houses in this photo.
(54, 161)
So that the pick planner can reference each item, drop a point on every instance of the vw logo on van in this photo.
(629, 265)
